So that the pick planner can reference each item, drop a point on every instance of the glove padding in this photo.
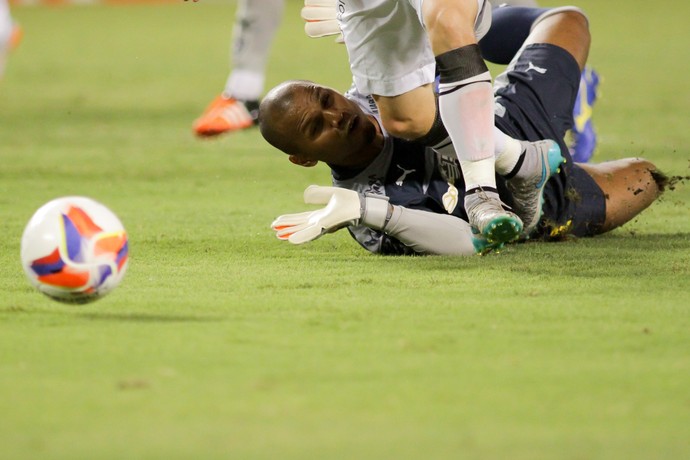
(321, 19)
(343, 208)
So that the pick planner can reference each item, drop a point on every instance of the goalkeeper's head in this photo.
(313, 123)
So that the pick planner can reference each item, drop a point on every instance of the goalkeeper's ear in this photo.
(302, 162)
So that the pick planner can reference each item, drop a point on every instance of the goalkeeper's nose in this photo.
(338, 119)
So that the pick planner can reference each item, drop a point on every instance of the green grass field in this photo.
(223, 342)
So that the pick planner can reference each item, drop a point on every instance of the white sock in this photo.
(245, 85)
(508, 156)
(468, 115)
(477, 173)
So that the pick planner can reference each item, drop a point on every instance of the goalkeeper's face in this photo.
(313, 123)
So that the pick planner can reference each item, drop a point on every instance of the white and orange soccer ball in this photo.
(74, 250)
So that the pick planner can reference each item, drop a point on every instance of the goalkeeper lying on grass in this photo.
(397, 197)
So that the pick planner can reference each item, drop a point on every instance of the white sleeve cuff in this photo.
(377, 211)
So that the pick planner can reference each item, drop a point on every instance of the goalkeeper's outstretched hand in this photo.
(343, 208)
(320, 19)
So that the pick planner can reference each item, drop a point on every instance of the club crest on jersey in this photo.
(449, 168)
(374, 186)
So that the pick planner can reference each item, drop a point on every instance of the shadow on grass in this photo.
(611, 253)
(147, 318)
(14, 310)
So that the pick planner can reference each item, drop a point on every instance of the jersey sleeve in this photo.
(412, 231)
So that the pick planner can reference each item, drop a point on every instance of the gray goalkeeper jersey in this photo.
(530, 105)
(411, 176)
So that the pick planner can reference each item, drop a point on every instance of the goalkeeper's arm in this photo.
(431, 233)
(424, 232)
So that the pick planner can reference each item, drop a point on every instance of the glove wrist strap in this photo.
(376, 211)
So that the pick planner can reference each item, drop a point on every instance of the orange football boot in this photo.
(226, 115)
(16, 36)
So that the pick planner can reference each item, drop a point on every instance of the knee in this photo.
(449, 26)
(579, 22)
(568, 28)
(575, 20)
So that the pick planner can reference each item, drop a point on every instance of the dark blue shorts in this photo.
(538, 95)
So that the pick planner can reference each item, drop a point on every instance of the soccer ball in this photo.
(74, 250)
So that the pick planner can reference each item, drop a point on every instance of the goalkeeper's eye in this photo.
(326, 100)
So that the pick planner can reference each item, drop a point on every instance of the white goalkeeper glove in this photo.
(343, 208)
(320, 17)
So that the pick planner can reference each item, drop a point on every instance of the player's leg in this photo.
(464, 83)
(401, 85)
(509, 29)
(255, 27)
(584, 136)
(585, 199)
(555, 30)
(399, 73)
(566, 28)
(5, 33)
(237, 107)
(629, 185)
(507, 34)
(466, 109)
